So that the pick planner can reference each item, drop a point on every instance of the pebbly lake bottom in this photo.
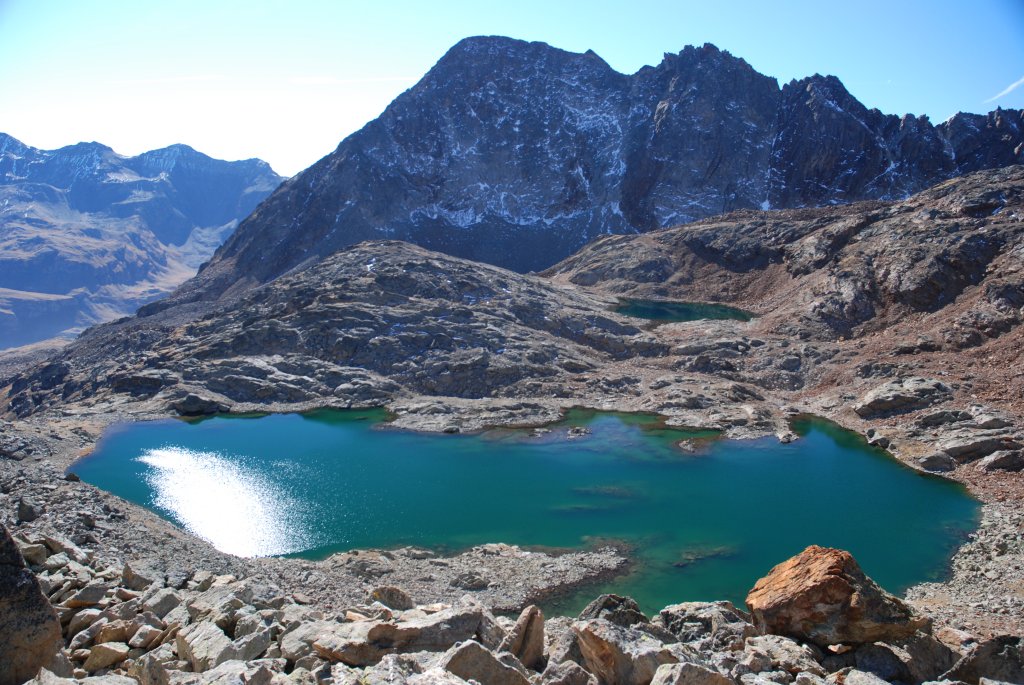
(701, 526)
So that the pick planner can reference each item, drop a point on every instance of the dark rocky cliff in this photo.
(518, 153)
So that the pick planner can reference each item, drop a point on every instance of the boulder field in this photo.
(815, 618)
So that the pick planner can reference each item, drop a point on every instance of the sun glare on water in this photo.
(227, 504)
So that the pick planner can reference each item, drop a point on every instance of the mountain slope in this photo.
(935, 281)
(518, 153)
(87, 235)
(845, 296)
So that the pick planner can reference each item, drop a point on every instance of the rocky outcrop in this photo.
(970, 444)
(526, 638)
(357, 328)
(622, 611)
(821, 595)
(625, 654)
(916, 659)
(194, 405)
(842, 271)
(905, 394)
(783, 654)
(87, 235)
(688, 674)
(939, 462)
(392, 597)
(714, 625)
(1003, 460)
(30, 634)
(518, 153)
(471, 661)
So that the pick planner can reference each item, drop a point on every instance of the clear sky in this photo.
(287, 80)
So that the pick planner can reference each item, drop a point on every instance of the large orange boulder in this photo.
(821, 595)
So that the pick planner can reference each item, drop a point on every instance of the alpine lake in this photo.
(668, 311)
(700, 525)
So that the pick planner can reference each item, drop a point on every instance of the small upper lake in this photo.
(667, 311)
(705, 526)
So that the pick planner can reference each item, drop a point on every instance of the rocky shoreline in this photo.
(814, 619)
(38, 498)
(981, 598)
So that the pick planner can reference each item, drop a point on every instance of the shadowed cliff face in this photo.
(518, 153)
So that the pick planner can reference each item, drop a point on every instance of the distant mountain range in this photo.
(506, 152)
(87, 235)
(518, 153)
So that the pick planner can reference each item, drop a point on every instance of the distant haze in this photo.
(286, 82)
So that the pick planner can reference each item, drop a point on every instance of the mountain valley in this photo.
(461, 263)
(449, 345)
(87, 235)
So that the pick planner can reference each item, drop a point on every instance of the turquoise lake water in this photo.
(665, 311)
(703, 526)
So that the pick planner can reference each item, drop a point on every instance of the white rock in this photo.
(688, 674)
(204, 645)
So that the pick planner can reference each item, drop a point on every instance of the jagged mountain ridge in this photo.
(87, 235)
(518, 153)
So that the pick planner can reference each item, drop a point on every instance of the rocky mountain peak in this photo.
(169, 159)
(10, 144)
(495, 64)
(826, 96)
(83, 148)
(707, 56)
(85, 155)
(708, 67)
(518, 153)
(486, 49)
(171, 155)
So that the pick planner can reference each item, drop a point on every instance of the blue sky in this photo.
(287, 80)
